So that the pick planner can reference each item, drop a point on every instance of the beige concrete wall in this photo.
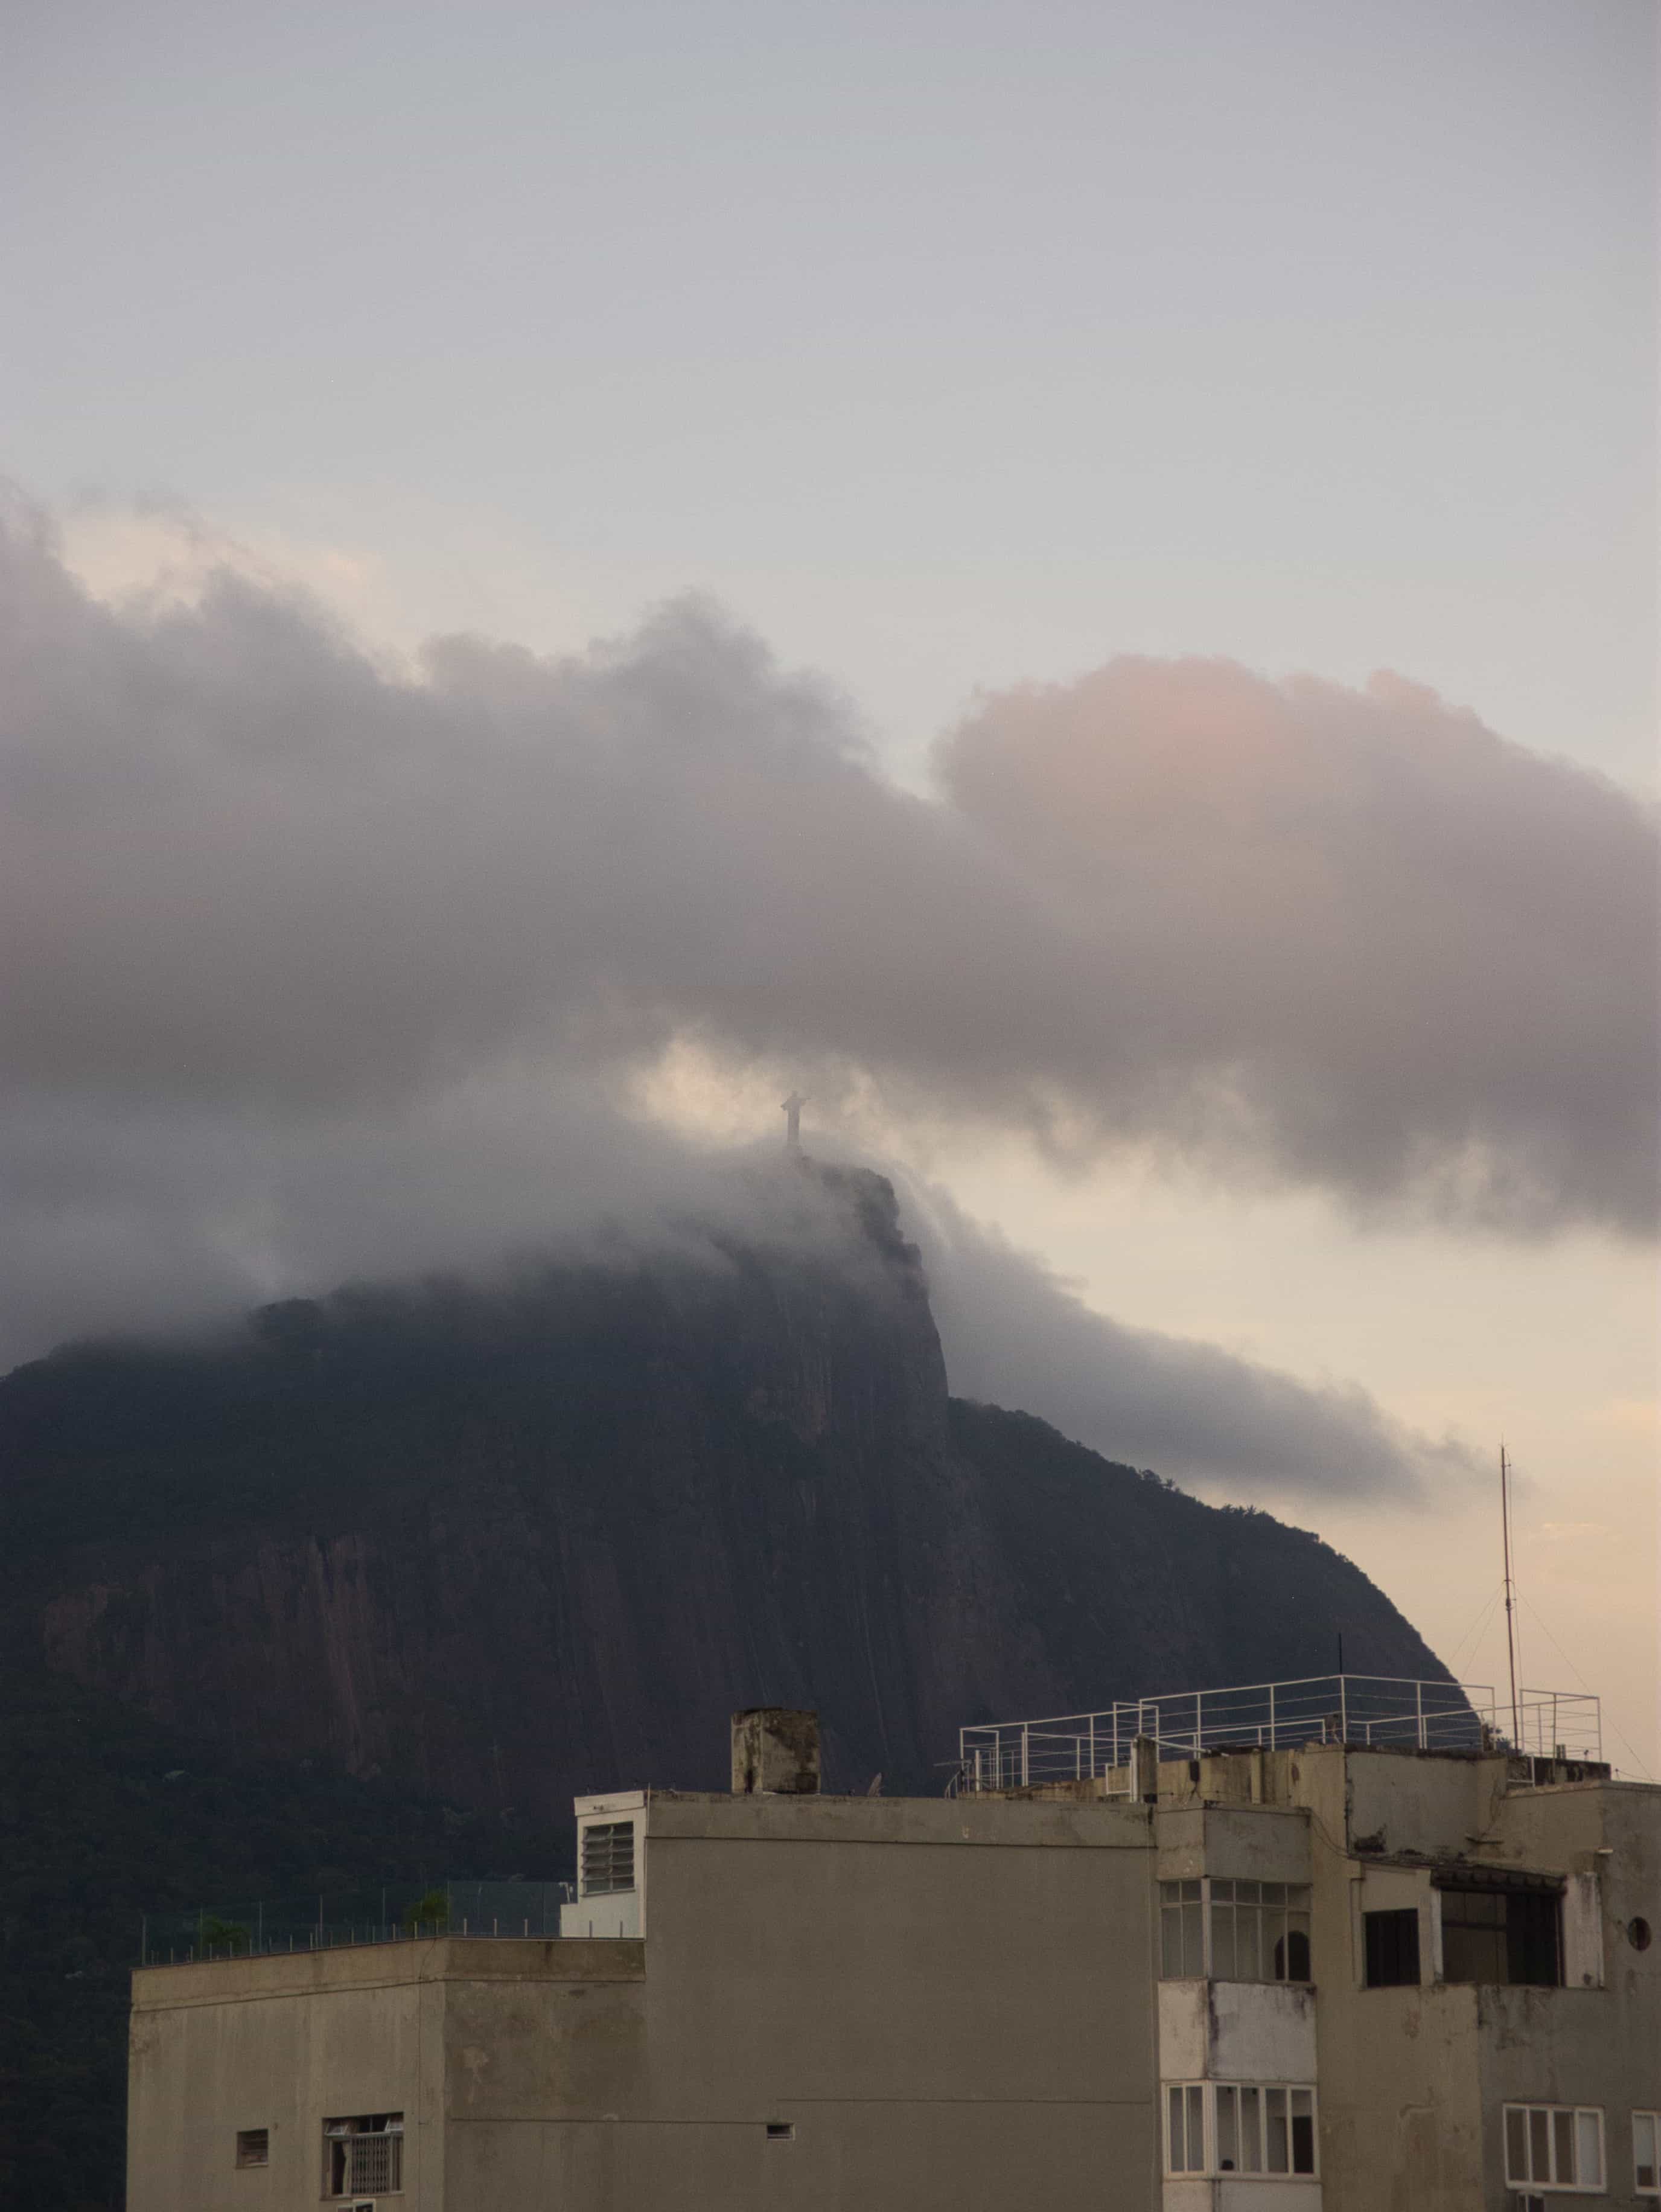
(1259, 1845)
(285, 2043)
(950, 2004)
(1580, 2045)
(1413, 2082)
(1401, 2100)
(280, 2043)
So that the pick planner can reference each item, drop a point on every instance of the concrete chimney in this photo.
(775, 1752)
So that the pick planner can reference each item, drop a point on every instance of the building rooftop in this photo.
(1372, 1710)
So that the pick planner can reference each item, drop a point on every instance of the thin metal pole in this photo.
(1511, 1631)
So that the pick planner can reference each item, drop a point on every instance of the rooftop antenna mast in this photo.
(792, 1111)
(1511, 1627)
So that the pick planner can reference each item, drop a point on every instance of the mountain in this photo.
(501, 1544)
(363, 1591)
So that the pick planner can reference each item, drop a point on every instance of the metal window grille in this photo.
(364, 2157)
(376, 2163)
(608, 1857)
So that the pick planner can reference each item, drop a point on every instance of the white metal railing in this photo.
(1359, 1709)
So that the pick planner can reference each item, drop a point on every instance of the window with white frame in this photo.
(1185, 2128)
(1259, 1931)
(1235, 1930)
(1646, 2154)
(1259, 2130)
(1554, 2146)
(1182, 1931)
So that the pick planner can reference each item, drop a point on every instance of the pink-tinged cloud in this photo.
(254, 889)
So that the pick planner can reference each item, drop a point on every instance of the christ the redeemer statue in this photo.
(792, 1112)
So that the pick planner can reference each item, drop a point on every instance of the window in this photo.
(253, 2147)
(1495, 1933)
(1259, 1930)
(1646, 2154)
(1182, 1933)
(1392, 1948)
(363, 2157)
(1554, 2146)
(781, 2131)
(1263, 2128)
(608, 1857)
(1185, 2125)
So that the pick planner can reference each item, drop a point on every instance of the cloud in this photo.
(1015, 1333)
(312, 966)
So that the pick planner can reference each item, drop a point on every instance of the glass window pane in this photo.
(1248, 1956)
(1562, 2131)
(1228, 2136)
(1250, 2131)
(1539, 2143)
(1190, 1893)
(1516, 2143)
(1296, 1964)
(1303, 2131)
(1279, 2160)
(1177, 2158)
(1170, 1942)
(1274, 1893)
(1273, 1943)
(1222, 1891)
(1248, 1892)
(1196, 2131)
(1645, 2168)
(1589, 2150)
(1193, 1940)
(1222, 1941)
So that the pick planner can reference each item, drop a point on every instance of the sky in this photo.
(1078, 581)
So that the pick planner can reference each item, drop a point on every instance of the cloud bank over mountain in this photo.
(312, 968)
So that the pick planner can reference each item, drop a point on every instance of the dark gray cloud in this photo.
(1016, 1334)
(311, 969)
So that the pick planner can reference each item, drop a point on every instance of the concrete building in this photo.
(1248, 1966)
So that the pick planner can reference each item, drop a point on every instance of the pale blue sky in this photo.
(949, 344)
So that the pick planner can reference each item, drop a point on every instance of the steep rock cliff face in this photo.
(506, 1545)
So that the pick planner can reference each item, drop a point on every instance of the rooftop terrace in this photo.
(1364, 1709)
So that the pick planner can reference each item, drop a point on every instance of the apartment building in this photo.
(1310, 1948)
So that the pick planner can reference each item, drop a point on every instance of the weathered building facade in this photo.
(1332, 1978)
